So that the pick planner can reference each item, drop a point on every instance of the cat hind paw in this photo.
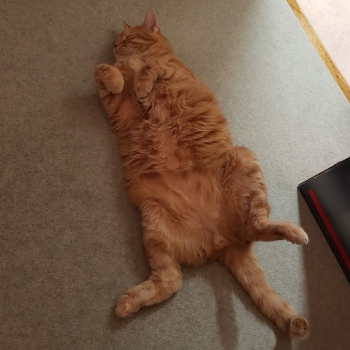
(126, 306)
(298, 328)
(293, 233)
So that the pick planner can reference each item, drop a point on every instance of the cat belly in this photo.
(183, 212)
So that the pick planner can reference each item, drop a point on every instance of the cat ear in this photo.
(126, 26)
(151, 23)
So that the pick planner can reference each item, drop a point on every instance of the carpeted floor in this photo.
(70, 239)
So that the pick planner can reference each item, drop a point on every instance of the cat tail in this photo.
(245, 267)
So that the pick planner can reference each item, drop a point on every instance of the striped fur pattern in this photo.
(201, 198)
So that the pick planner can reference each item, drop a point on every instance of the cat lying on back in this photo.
(201, 198)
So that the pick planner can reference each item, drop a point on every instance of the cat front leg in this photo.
(110, 85)
(109, 78)
(144, 81)
(145, 76)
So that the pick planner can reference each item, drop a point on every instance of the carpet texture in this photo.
(71, 240)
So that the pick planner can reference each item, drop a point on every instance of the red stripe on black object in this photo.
(329, 227)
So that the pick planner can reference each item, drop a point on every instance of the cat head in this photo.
(139, 39)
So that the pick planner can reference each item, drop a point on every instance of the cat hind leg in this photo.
(164, 281)
(166, 275)
(260, 228)
(258, 225)
(244, 266)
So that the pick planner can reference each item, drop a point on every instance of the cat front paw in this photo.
(110, 77)
(142, 89)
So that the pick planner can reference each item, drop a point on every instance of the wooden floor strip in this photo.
(320, 48)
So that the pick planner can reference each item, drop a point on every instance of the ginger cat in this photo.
(201, 198)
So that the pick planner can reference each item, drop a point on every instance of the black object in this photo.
(328, 197)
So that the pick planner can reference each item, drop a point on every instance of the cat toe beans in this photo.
(110, 77)
(298, 328)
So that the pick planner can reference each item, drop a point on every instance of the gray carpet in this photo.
(71, 240)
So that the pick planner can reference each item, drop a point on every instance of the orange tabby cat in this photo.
(201, 198)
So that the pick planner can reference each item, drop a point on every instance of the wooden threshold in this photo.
(320, 48)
